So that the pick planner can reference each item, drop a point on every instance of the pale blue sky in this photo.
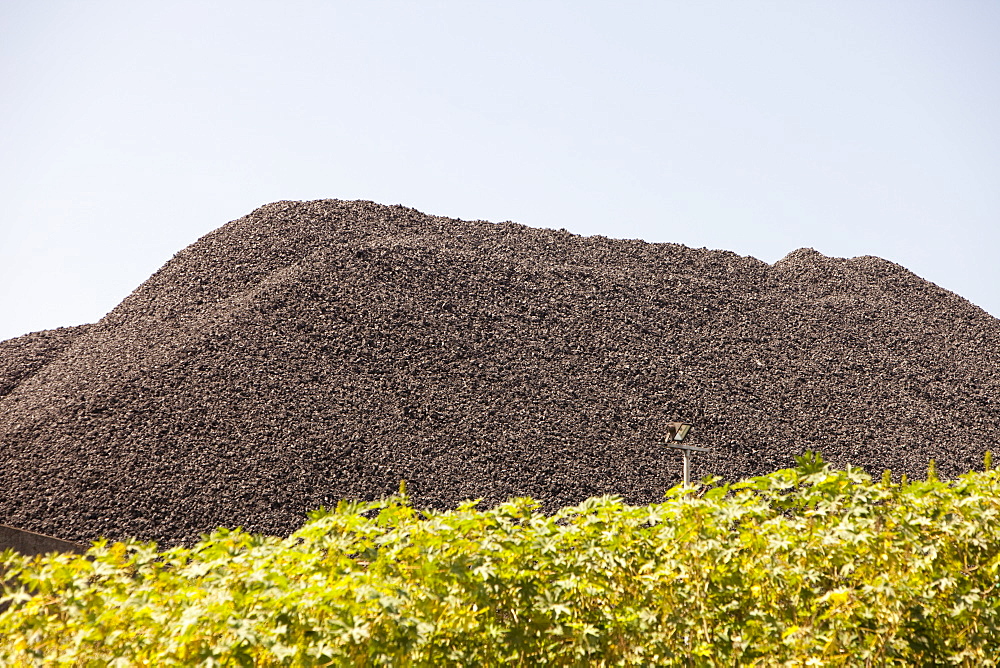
(130, 129)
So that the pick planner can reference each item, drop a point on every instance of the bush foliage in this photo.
(805, 566)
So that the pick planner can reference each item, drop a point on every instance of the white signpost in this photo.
(676, 431)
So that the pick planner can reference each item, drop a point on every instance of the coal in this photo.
(22, 357)
(316, 351)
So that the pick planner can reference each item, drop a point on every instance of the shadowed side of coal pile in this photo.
(314, 351)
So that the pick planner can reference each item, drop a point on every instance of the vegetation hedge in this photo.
(805, 566)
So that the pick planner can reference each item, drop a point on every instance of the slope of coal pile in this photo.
(314, 351)
(23, 356)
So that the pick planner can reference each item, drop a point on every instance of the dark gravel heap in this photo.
(313, 351)
(20, 358)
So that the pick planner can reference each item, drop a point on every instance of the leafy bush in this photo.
(805, 566)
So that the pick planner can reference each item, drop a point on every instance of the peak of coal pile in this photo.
(314, 351)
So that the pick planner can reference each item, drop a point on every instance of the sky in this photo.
(130, 129)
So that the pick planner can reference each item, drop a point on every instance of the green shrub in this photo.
(805, 566)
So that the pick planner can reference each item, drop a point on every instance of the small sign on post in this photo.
(676, 432)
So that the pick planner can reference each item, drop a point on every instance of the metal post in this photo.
(686, 450)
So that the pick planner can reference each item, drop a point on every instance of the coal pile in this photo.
(23, 356)
(314, 351)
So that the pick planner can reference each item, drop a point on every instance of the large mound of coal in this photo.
(324, 350)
